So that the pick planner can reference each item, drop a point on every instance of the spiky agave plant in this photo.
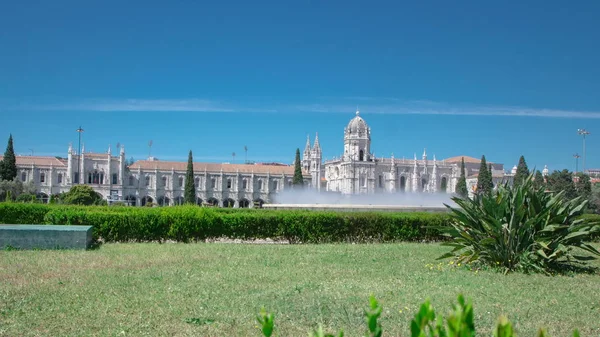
(520, 228)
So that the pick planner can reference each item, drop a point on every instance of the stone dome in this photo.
(357, 125)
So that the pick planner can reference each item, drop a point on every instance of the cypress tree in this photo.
(298, 179)
(461, 185)
(484, 178)
(538, 179)
(522, 172)
(189, 196)
(8, 166)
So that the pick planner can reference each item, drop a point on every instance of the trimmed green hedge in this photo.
(190, 223)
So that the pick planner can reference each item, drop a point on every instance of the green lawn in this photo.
(217, 290)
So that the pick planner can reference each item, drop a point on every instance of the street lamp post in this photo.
(80, 130)
(583, 132)
(576, 156)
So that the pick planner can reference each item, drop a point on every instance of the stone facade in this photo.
(358, 171)
(154, 181)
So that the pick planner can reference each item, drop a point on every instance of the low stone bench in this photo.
(45, 237)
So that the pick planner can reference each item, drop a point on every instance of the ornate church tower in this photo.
(357, 140)
(315, 163)
(306, 155)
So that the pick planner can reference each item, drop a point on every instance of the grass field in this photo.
(217, 290)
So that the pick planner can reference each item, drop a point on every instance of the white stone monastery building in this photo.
(356, 171)
(154, 181)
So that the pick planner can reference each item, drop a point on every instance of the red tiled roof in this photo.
(39, 161)
(213, 167)
(468, 159)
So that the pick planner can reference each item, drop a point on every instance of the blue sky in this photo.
(502, 79)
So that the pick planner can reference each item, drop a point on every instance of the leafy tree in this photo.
(595, 198)
(538, 179)
(190, 189)
(11, 189)
(8, 166)
(26, 197)
(83, 195)
(484, 178)
(461, 185)
(522, 228)
(583, 186)
(298, 180)
(522, 172)
(562, 181)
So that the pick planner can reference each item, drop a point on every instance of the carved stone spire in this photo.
(317, 146)
(433, 185)
(307, 146)
(415, 176)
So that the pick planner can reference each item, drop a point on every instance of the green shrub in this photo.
(189, 223)
(26, 197)
(426, 323)
(82, 195)
(22, 213)
(520, 228)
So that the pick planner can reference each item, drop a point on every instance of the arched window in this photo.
(245, 184)
(147, 180)
(275, 184)
(197, 182)
(180, 181)
(23, 176)
(444, 185)
(402, 183)
(59, 178)
(95, 177)
(131, 180)
(164, 181)
(115, 178)
(42, 177)
(361, 155)
(228, 182)
(260, 184)
(213, 183)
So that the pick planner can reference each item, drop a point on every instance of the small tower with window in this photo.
(357, 139)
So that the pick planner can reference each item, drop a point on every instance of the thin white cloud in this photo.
(372, 105)
(433, 108)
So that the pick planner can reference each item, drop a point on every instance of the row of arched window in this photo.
(213, 182)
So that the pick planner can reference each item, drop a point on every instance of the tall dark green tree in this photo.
(8, 165)
(522, 172)
(538, 179)
(484, 178)
(189, 196)
(298, 180)
(461, 185)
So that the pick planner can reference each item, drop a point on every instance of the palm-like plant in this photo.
(520, 228)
